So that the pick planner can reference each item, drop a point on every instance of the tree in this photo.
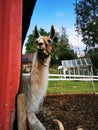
(93, 55)
(87, 21)
(62, 49)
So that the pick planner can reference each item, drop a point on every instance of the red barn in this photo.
(14, 21)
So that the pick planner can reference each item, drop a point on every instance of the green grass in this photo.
(56, 87)
(52, 71)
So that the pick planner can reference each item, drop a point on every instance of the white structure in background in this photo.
(81, 66)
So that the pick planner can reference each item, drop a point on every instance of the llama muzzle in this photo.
(43, 53)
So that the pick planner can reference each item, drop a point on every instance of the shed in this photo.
(27, 62)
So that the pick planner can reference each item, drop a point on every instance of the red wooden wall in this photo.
(10, 58)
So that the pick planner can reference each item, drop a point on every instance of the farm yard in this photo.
(59, 87)
(75, 111)
(73, 103)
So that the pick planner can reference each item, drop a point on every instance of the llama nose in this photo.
(40, 44)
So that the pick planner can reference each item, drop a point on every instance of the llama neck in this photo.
(35, 87)
(38, 82)
(40, 64)
(39, 73)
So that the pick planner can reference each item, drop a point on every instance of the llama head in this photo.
(44, 43)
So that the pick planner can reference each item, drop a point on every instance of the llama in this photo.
(35, 86)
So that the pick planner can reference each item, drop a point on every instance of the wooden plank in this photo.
(21, 112)
(33, 122)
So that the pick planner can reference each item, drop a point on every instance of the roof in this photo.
(76, 63)
(27, 58)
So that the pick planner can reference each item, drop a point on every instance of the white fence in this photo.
(59, 77)
(72, 77)
(54, 77)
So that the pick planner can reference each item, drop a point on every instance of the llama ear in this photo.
(37, 34)
(52, 32)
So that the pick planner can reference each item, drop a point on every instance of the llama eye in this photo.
(36, 41)
(49, 41)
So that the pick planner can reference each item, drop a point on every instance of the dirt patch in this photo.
(73, 110)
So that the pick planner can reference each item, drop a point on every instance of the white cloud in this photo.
(60, 14)
(74, 38)
(75, 41)
(24, 49)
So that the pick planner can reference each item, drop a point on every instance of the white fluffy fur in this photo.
(35, 86)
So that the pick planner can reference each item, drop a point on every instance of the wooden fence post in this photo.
(21, 112)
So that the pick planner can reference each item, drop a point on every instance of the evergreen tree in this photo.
(93, 55)
(62, 49)
(87, 21)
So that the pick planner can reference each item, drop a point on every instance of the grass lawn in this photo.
(56, 87)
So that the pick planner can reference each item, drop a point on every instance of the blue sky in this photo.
(59, 13)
